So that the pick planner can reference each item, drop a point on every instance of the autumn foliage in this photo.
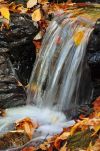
(83, 136)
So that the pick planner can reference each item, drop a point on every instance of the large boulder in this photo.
(11, 91)
(17, 56)
(93, 57)
(22, 50)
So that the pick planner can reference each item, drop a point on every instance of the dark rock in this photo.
(93, 57)
(11, 91)
(17, 56)
(13, 139)
(22, 50)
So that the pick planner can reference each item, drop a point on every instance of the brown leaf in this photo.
(27, 125)
(64, 148)
(96, 105)
(29, 149)
(96, 146)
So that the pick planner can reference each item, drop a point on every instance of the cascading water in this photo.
(55, 80)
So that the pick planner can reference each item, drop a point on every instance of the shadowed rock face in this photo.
(22, 50)
(17, 56)
(13, 139)
(93, 56)
(11, 92)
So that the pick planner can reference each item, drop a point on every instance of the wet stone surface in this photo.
(93, 57)
(11, 92)
(17, 56)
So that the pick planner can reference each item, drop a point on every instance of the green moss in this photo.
(81, 140)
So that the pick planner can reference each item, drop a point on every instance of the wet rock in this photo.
(12, 92)
(22, 50)
(17, 56)
(13, 139)
(93, 57)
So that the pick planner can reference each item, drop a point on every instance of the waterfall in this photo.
(60, 80)
(56, 79)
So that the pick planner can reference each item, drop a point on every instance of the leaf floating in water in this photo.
(36, 16)
(31, 3)
(5, 12)
(78, 36)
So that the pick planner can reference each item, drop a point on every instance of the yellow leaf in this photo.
(96, 129)
(64, 136)
(74, 128)
(64, 148)
(5, 12)
(78, 36)
(36, 16)
(31, 3)
(44, 146)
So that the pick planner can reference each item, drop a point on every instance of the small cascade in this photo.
(60, 81)
(56, 78)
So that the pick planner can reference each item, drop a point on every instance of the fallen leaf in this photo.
(2, 112)
(44, 146)
(36, 15)
(96, 105)
(38, 36)
(78, 36)
(27, 125)
(31, 3)
(5, 12)
(29, 149)
(64, 148)
(96, 146)
(74, 128)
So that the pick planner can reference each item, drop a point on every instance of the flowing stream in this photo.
(60, 77)
(56, 78)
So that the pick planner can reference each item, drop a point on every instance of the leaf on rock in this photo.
(44, 146)
(29, 149)
(5, 12)
(74, 128)
(36, 15)
(31, 3)
(27, 125)
(96, 105)
(64, 148)
(96, 146)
